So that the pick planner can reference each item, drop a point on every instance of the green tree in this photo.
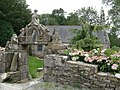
(89, 15)
(84, 38)
(114, 37)
(47, 19)
(16, 12)
(114, 14)
(6, 32)
(72, 19)
(59, 15)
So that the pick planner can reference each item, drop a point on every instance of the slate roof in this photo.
(65, 32)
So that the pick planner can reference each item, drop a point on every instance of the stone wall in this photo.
(2, 63)
(14, 69)
(5, 61)
(78, 74)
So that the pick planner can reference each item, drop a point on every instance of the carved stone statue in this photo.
(35, 18)
(13, 44)
(56, 38)
(14, 39)
(2, 49)
(23, 31)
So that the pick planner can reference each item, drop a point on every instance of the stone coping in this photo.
(81, 63)
(104, 74)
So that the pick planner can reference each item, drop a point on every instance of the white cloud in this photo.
(46, 6)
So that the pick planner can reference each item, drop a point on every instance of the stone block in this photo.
(4, 77)
(23, 59)
(1, 57)
(14, 76)
(39, 69)
(24, 76)
(49, 78)
(117, 88)
(8, 56)
(49, 61)
(23, 69)
(48, 70)
(45, 77)
(58, 61)
(2, 67)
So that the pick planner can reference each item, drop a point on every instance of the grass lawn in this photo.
(34, 63)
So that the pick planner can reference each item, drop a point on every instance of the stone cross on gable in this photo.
(102, 34)
(102, 16)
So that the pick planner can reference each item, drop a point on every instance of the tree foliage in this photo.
(6, 32)
(72, 19)
(114, 14)
(84, 37)
(48, 19)
(88, 15)
(16, 12)
(59, 15)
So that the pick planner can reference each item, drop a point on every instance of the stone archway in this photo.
(32, 34)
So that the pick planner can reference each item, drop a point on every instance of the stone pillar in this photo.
(23, 63)
(53, 65)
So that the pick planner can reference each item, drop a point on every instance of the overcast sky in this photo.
(46, 6)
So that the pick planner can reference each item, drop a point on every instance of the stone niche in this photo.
(59, 69)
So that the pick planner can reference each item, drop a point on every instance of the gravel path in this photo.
(36, 84)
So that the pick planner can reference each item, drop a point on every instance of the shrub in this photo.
(110, 62)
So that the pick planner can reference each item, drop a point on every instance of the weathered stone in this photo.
(8, 56)
(109, 89)
(79, 74)
(49, 61)
(39, 69)
(23, 68)
(47, 70)
(4, 76)
(24, 76)
(59, 61)
(14, 76)
(2, 67)
(23, 58)
(117, 88)
(14, 63)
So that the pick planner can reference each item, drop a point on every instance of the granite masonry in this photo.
(59, 69)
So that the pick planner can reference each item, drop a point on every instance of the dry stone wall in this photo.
(5, 61)
(14, 66)
(78, 74)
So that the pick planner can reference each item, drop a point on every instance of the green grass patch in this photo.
(33, 64)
